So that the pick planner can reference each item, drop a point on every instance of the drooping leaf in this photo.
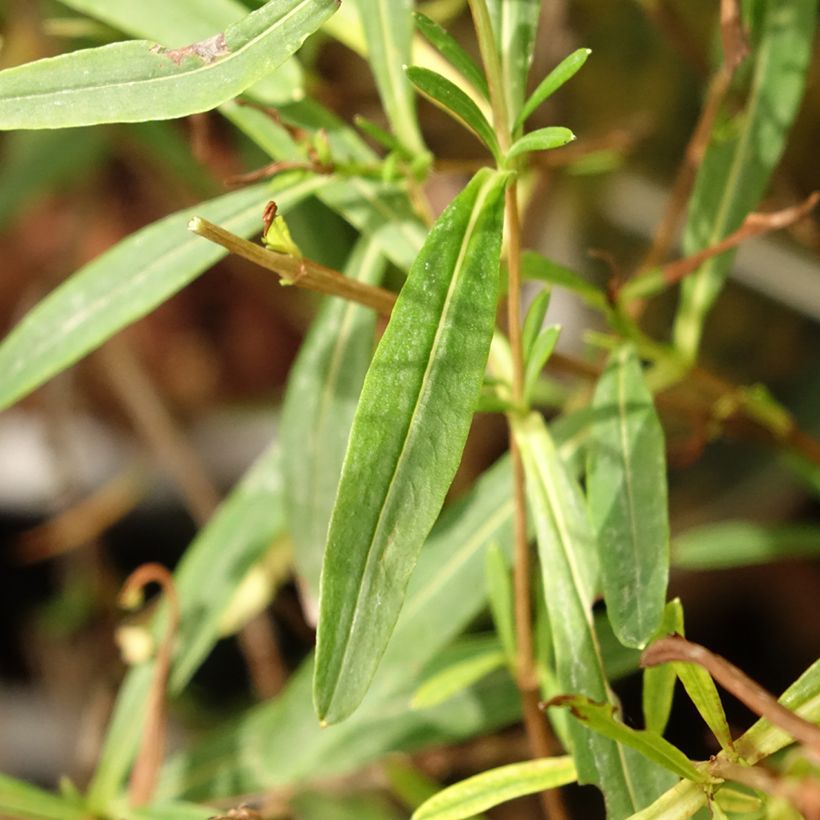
(742, 543)
(490, 788)
(137, 80)
(242, 530)
(187, 21)
(317, 412)
(19, 799)
(600, 717)
(458, 668)
(566, 546)
(626, 490)
(659, 681)
(514, 24)
(742, 155)
(422, 387)
(564, 71)
(544, 139)
(500, 595)
(281, 742)
(124, 284)
(388, 30)
(452, 51)
(450, 98)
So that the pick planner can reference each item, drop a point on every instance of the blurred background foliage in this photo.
(216, 358)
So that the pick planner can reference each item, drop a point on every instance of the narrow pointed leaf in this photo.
(321, 397)
(406, 442)
(500, 595)
(534, 320)
(450, 98)
(186, 21)
(123, 285)
(452, 51)
(742, 154)
(566, 547)
(600, 717)
(544, 139)
(515, 24)
(535, 266)
(388, 30)
(470, 660)
(704, 695)
(21, 800)
(659, 681)
(626, 489)
(564, 71)
(542, 349)
(490, 788)
(137, 80)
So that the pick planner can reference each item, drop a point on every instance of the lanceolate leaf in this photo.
(19, 799)
(500, 594)
(659, 681)
(543, 139)
(138, 80)
(123, 285)
(323, 389)
(450, 98)
(626, 489)
(488, 789)
(388, 29)
(566, 546)
(742, 155)
(406, 442)
(186, 21)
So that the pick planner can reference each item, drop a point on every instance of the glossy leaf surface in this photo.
(136, 80)
(626, 490)
(488, 789)
(124, 284)
(408, 433)
(323, 389)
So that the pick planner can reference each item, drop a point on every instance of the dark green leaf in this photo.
(564, 71)
(321, 397)
(136, 80)
(453, 52)
(422, 388)
(450, 98)
(600, 717)
(544, 139)
(743, 153)
(488, 789)
(626, 490)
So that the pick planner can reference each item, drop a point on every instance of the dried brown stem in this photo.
(302, 273)
(152, 744)
(738, 683)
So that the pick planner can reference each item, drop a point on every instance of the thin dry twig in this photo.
(152, 745)
(737, 683)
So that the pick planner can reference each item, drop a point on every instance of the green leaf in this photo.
(19, 799)
(452, 51)
(470, 660)
(137, 80)
(626, 490)
(163, 811)
(317, 412)
(501, 597)
(123, 285)
(490, 788)
(186, 21)
(742, 154)
(743, 543)
(568, 556)
(704, 695)
(542, 349)
(564, 71)
(534, 320)
(238, 535)
(535, 266)
(423, 385)
(659, 681)
(600, 717)
(544, 139)
(388, 30)
(514, 24)
(450, 98)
